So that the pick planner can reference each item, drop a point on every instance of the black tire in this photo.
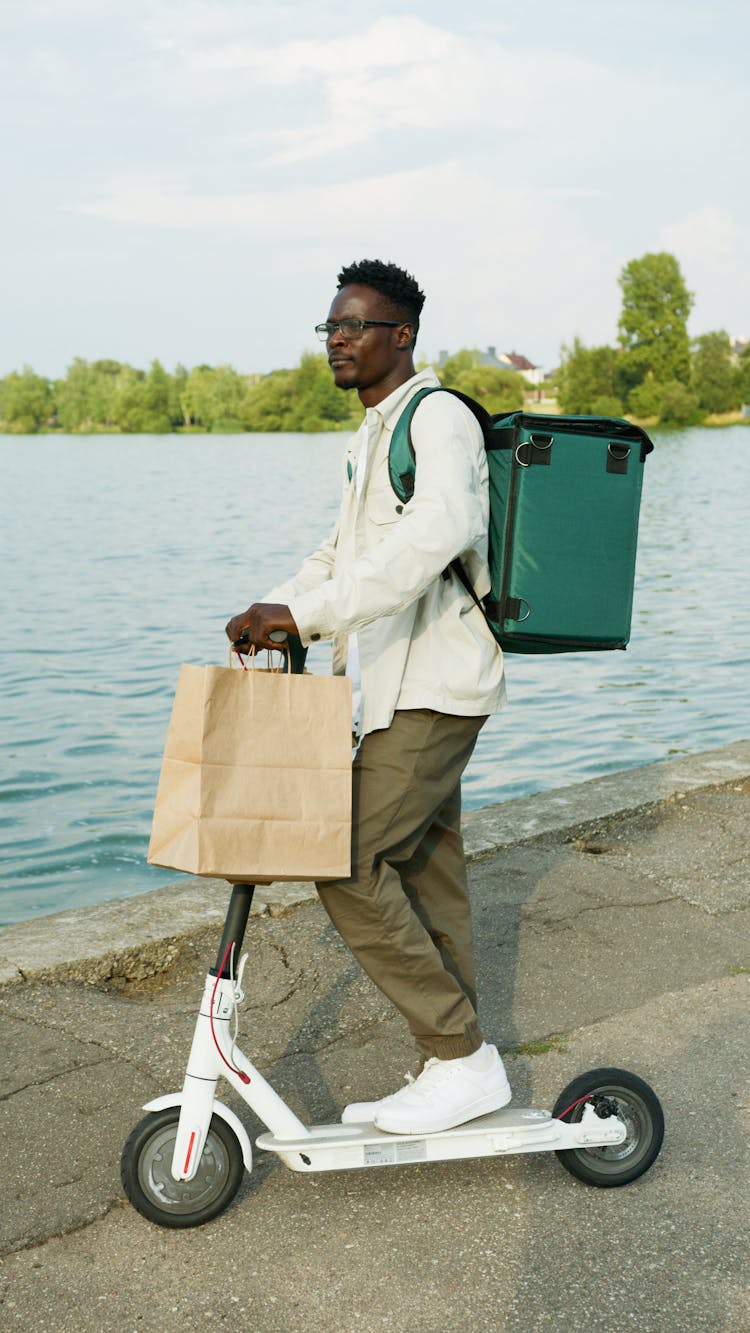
(636, 1104)
(146, 1173)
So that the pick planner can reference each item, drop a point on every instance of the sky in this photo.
(183, 180)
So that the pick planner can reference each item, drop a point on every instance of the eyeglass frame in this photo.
(332, 326)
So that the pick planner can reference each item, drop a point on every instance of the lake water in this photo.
(124, 556)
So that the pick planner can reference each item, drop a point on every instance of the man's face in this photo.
(378, 361)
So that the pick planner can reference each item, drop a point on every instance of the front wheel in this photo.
(613, 1092)
(146, 1171)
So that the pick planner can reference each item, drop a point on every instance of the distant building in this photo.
(512, 361)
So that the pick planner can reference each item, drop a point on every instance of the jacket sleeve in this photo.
(446, 516)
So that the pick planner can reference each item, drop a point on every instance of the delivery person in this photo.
(426, 672)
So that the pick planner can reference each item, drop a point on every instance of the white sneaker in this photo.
(447, 1093)
(363, 1113)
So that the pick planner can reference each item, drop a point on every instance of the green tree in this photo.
(226, 396)
(653, 323)
(496, 389)
(26, 401)
(606, 406)
(714, 378)
(177, 383)
(677, 405)
(101, 395)
(268, 401)
(589, 379)
(466, 359)
(129, 408)
(645, 398)
(318, 404)
(303, 399)
(86, 397)
(742, 375)
(159, 405)
(211, 397)
(105, 384)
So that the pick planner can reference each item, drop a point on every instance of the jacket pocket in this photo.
(383, 507)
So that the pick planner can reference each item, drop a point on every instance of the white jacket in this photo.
(423, 643)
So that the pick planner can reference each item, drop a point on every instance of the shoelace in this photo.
(434, 1074)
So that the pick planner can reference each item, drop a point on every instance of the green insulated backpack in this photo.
(564, 500)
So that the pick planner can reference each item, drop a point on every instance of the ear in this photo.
(404, 336)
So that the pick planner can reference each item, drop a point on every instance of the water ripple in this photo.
(147, 584)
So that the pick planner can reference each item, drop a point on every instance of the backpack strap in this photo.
(401, 456)
(402, 467)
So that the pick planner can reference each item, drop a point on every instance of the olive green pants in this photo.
(404, 911)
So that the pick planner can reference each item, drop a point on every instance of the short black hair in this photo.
(398, 287)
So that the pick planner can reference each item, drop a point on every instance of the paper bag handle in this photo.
(292, 649)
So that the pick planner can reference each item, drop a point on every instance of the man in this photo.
(426, 672)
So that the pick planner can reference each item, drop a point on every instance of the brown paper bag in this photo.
(256, 778)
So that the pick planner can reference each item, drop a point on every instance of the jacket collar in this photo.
(390, 408)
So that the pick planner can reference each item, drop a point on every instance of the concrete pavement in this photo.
(612, 929)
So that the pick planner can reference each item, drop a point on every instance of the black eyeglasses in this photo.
(352, 328)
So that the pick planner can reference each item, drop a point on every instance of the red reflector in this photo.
(189, 1153)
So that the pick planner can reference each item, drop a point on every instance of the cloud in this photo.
(714, 249)
(386, 43)
(514, 168)
(400, 73)
(710, 235)
(479, 245)
(449, 194)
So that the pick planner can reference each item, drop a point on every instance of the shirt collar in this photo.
(390, 408)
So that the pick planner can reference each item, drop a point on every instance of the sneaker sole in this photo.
(483, 1106)
(359, 1118)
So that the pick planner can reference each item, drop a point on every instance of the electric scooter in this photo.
(184, 1161)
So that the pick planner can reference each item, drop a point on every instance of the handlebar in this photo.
(288, 643)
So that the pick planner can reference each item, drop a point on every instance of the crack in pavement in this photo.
(37, 1242)
(50, 1078)
(535, 914)
(49, 1025)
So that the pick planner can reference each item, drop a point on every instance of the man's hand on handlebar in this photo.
(253, 627)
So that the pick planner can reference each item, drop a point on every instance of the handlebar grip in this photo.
(290, 643)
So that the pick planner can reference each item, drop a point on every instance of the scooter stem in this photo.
(234, 927)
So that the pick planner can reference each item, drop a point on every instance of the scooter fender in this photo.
(234, 1122)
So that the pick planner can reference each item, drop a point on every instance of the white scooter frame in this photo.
(179, 1173)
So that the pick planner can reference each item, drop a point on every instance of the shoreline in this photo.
(545, 408)
(138, 937)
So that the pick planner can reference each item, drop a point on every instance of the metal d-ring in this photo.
(522, 602)
(618, 451)
(541, 443)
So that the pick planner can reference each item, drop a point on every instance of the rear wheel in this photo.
(146, 1170)
(613, 1092)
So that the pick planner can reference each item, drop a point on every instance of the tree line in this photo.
(655, 374)
(104, 396)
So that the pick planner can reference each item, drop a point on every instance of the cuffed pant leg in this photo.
(404, 828)
(435, 881)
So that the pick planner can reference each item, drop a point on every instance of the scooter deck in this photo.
(340, 1147)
